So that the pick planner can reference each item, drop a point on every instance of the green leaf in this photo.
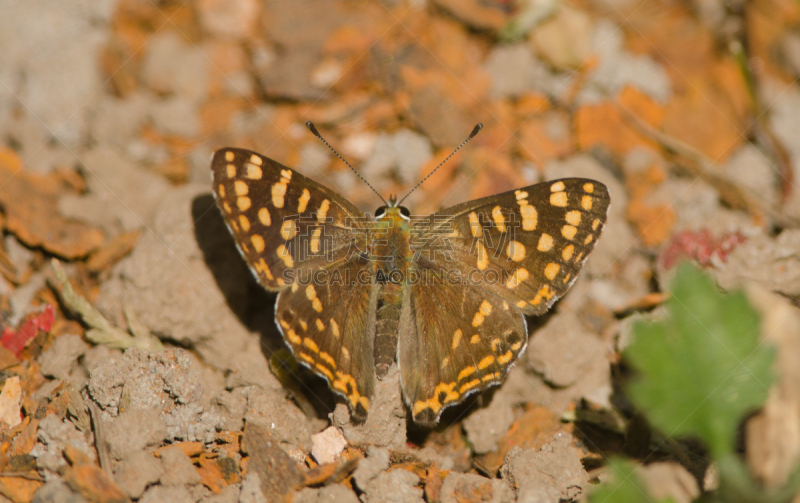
(623, 486)
(701, 370)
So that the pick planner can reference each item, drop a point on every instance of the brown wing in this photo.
(455, 340)
(526, 246)
(329, 323)
(284, 223)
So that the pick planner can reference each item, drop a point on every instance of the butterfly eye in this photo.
(404, 212)
(381, 211)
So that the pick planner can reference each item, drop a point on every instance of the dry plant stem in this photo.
(763, 132)
(103, 455)
(136, 327)
(704, 168)
(101, 331)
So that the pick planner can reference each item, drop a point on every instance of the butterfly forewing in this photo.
(526, 245)
(505, 255)
(283, 223)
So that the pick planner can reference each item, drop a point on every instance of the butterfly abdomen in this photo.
(386, 328)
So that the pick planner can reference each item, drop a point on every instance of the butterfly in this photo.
(442, 296)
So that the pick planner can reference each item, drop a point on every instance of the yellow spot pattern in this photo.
(355, 398)
(310, 344)
(253, 172)
(244, 222)
(468, 386)
(558, 199)
(483, 258)
(293, 337)
(264, 217)
(567, 252)
(258, 242)
(530, 218)
(240, 188)
(569, 231)
(483, 311)
(551, 270)
(499, 219)
(573, 217)
(515, 251)
(261, 266)
(488, 360)
(278, 193)
(545, 243)
(314, 244)
(517, 277)
(311, 294)
(305, 197)
(433, 403)
(456, 339)
(288, 229)
(475, 225)
(466, 373)
(322, 213)
(325, 371)
(283, 254)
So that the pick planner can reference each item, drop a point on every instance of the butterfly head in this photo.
(392, 210)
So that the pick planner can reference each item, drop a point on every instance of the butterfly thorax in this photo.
(389, 250)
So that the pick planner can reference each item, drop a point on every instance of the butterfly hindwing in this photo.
(330, 325)
(442, 358)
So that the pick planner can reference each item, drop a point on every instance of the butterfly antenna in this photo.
(474, 132)
(313, 129)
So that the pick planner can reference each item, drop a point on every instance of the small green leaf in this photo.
(624, 486)
(701, 370)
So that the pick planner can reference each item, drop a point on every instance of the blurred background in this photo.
(395, 85)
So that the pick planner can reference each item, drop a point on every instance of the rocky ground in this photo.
(179, 387)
